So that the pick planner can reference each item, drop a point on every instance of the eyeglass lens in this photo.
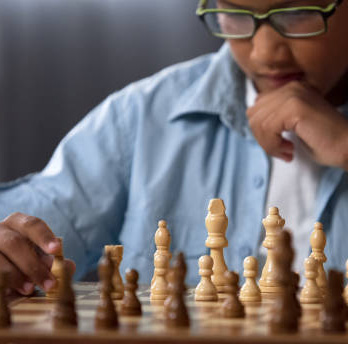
(294, 24)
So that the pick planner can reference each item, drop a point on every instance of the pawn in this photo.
(159, 287)
(106, 316)
(64, 313)
(58, 259)
(250, 291)
(334, 313)
(232, 307)
(295, 288)
(206, 290)
(130, 305)
(310, 292)
(176, 314)
(116, 255)
(5, 316)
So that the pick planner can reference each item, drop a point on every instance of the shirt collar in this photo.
(219, 91)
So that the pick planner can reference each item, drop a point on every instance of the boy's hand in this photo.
(26, 248)
(298, 108)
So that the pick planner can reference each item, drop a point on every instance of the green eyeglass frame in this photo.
(260, 18)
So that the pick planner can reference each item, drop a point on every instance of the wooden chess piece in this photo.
(295, 285)
(346, 288)
(5, 315)
(269, 281)
(318, 242)
(170, 280)
(176, 314)
(285, 315)
(130, 305)
(64, 314)
(116, 255)
(334, 313)
(106, 315)
(310, 292)
(250, 291)
(162, 241)
(206, 290)
(232, 307)
(216, 223)
(159, 288)
(58, 258)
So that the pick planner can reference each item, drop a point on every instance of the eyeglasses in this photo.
(292, 22)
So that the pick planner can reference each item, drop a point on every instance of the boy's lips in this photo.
(280, 79)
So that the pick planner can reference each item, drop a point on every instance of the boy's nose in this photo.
(270, 49)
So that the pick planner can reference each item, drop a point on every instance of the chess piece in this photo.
(334, 313)
(318, 242)
(130, 304)
(284, 315)
(159, 288)
(216, 223)
(206, 290)
(162, 241)
(64, 314)
(106, 315)
(58, 258)
(5, 315)
(232, 307)
(310, 292)
(250, 291)
(269, 281)
(116, 254)
(295, 285)
(346, 288)
(170, 281)
(176, 314)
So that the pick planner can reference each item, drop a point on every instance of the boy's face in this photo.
(271, 60)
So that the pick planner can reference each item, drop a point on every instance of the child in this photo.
(218, 126)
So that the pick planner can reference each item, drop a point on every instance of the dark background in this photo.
(60, 58)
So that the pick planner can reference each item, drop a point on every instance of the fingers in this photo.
(20, 252)
(36, 230)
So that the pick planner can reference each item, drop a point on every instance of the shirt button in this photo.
(245, 251)
(258, 181)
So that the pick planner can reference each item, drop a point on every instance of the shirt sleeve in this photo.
(82, 192)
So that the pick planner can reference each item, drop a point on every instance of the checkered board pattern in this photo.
(31, 323)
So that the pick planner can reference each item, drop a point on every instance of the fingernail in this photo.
(53, 245)
(48, 284)
(28, 287)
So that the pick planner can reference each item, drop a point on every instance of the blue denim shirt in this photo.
(161, 149)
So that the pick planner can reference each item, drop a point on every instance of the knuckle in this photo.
(28, 221)
(12, 241)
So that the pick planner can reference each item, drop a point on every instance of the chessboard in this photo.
(31, 323)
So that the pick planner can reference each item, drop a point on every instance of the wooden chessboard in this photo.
(31, 324)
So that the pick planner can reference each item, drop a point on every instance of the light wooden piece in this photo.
(116, 255)
(318, 242)
(55, 270)
(216, 223)
(269, 282)
(159, 287)
(206, 290)
(250, 291)
(162, 241)
(346, 288)
(310, 292)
